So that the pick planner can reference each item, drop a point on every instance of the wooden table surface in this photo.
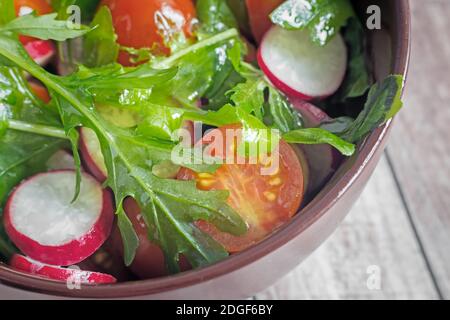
(399, 229)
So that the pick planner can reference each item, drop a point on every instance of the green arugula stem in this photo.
(250, 68)
(170, 61)
(37, 129)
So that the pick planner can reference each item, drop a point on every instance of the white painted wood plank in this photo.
(420, 144)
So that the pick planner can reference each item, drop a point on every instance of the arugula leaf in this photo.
(357, 80)
(383, 102)
(44, 27)
(215, 16)
(283, 116)
(223, 116)
(117, 77)
(169, 206)
(22, 154)
(129, 163)
(319, 136)
(204, 60)
(19, 103)
(100, 45)
(7, 12)
(225, 79)
(160, 121)
(323, 18)
(275, 111)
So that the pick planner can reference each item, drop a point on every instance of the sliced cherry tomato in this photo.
(40, 91)
(258, 12)
(149, 259)
(265, 202)
(27, 6)
(23, 7)
(146, 23)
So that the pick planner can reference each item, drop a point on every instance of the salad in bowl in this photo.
(144, 138)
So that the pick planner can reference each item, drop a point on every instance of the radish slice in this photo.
(300, 68)
(26, 264)
(43, 223)
(323, 160)
(61, 160)
(41, 51)
(95, 162)
(92, 154)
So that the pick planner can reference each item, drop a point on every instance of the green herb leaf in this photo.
(357, 80)
(319, 136)
(116, 77)
(170, 207)
(257, 97)
(323, 18)
(7, 12)
(22, 152)
(215, 16)
(44, 27)
(204, 60)
(383, 102)
(100, 46)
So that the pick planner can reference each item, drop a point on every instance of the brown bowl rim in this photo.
(299, 224)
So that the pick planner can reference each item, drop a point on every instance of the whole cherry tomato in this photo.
(150, 23)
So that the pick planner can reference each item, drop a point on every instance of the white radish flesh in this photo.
(301, 68)
(61, 160)
(44, 223)
(92, 154)
(41, 51)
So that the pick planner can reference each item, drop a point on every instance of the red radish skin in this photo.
(41, 51)
(72, 251)
(91, 154)
(300, 68)
(323, 160)
(28, 265)
(278, 83)
(312, 116)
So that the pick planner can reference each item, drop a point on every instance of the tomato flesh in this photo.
(259, 12)
(27, 6)
(148, 23)
(40, 91)
(265, 202)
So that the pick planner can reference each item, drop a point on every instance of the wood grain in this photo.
(376, 232)
(420, 145)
